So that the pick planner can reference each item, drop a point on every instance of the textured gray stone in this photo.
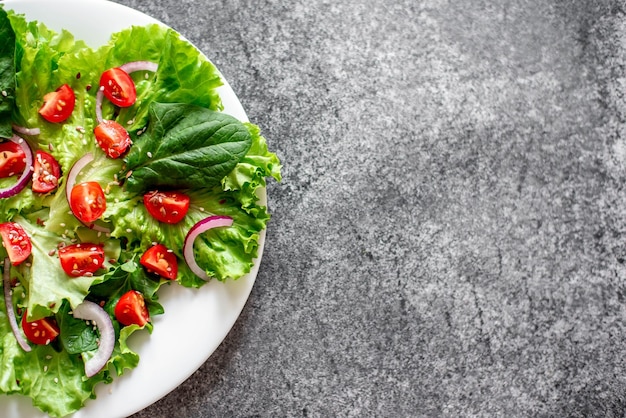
(448, 239)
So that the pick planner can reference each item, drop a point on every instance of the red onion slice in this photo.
(99, 99)
(6, 279)
(81, 163)
(26, 175)
(202, 226)
(91, 311)
(26, 131)
(131, 67)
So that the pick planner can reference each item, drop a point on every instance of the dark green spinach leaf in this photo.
(7, 74)
(185, 146)
(76, 336)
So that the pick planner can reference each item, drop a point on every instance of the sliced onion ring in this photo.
(26, 131)
(99, 99)
(202, 226)
(6, 279)
(131, 67)
(26, 175)
(81, 163)
(91, 311)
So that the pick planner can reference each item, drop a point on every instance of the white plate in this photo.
(178, 346)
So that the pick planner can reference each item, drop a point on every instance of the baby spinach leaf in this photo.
(7, 74)
(185, 146)
(76, 336)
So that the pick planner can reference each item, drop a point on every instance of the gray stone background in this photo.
(448, 238)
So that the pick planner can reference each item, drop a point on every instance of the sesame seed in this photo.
(4, 93)
(45, 369)
(149, 154)
(56, 380)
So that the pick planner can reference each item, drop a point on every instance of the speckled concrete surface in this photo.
(448, 239)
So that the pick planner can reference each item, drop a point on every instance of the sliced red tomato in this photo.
(160, 260)
(169, 207)
(131, 309)
(118, 87)
(42, 331)
(12, 159)
(15, 241)
(112, 138)
(46, 172)
(87, 201)
(58, 105)
(81, 259)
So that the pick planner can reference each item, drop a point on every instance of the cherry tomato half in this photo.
(12, 159)
(87, 201)
(160, 260)
(58, 105)
(46, 173)
(15, 241)
(118, 87)
(168, 207)
(131, 309)
(112, 138)
(42, 331)
(81, 259)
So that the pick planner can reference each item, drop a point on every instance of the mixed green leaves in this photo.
(182, 141)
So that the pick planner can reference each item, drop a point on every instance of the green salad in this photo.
(119, 173)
